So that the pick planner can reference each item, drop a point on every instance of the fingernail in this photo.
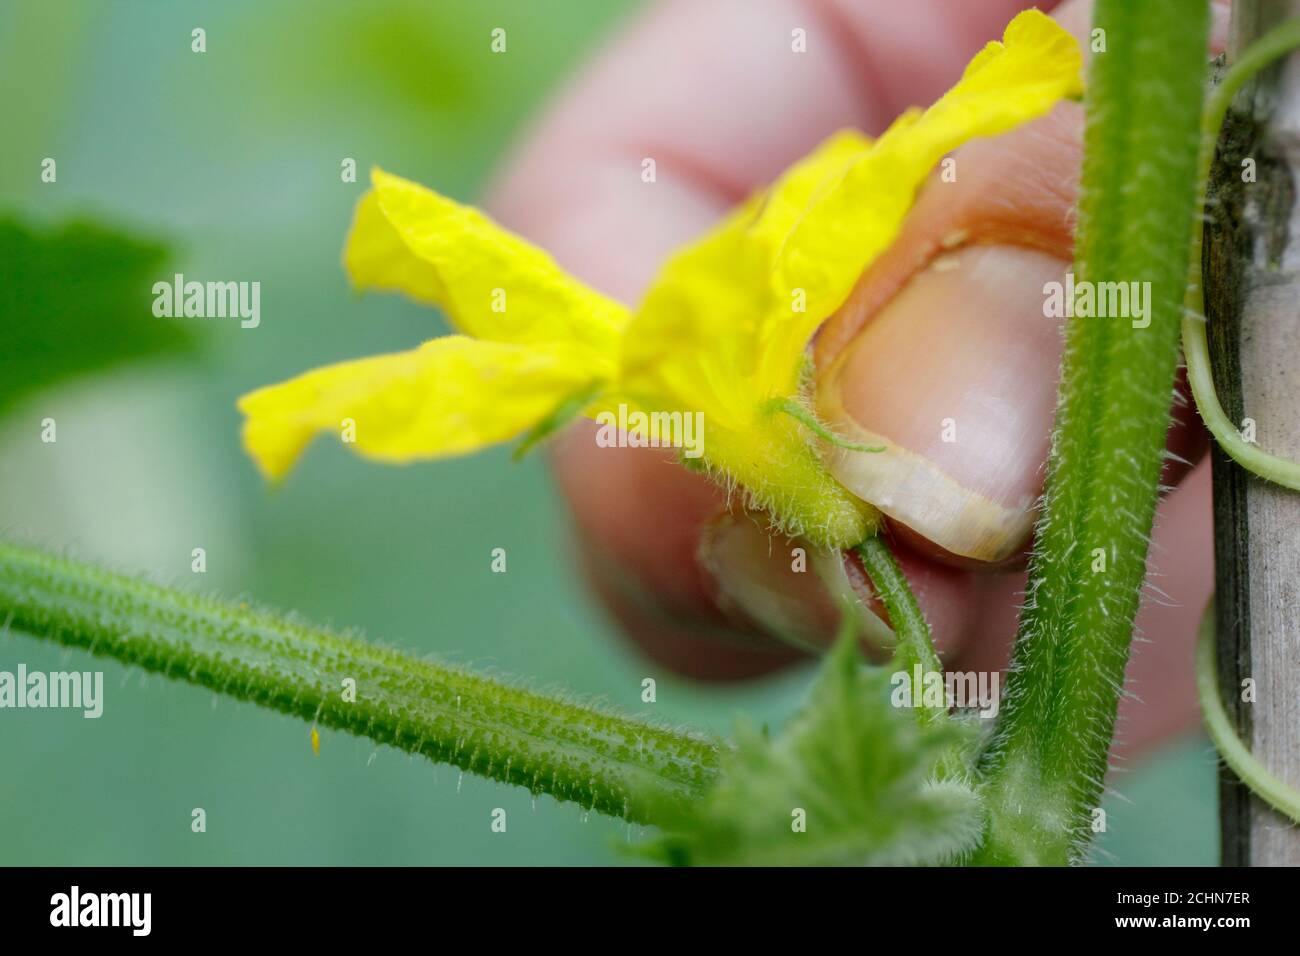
(956, 379)
(787, 588)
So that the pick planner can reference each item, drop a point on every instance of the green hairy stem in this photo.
(1044, 771)
(612, 764)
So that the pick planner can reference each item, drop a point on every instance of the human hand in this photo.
(943, 349)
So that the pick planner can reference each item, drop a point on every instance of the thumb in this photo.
(945, 354)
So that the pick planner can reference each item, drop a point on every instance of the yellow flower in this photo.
(723, 330)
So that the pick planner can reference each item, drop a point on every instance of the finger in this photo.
(947, 353)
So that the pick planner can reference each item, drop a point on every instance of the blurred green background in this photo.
(232, 158)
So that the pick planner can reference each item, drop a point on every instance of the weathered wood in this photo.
(1252, 279)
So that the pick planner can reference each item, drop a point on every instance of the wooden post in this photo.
(1252, 264)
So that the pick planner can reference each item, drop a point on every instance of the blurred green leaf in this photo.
(76, 300)
(863, 773)
(403, 54)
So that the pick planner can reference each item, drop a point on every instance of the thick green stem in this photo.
(1043, 772)
(608, 763)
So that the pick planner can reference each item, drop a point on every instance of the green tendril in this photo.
(806, 418)
(1280, 40)
(1278, 795)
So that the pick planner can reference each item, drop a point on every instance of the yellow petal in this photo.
(790, 323)
(492, 284)
(450, 396)
(711, 334)
(1008, 83)
(806, 181)
(377, 258)
(693, 344)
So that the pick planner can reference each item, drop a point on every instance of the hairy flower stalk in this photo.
(604, 762)
(1044, 771)
(915, 643)
(915, 649)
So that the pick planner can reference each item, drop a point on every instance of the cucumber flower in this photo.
(722, 333)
